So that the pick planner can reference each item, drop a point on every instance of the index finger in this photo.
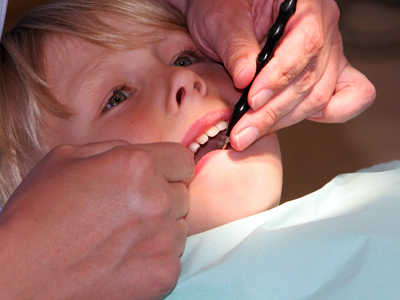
(174, 161)
(301, 56)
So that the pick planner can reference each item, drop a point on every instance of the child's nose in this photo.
(184, 85)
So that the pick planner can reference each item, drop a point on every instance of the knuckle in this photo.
(137, 160)
(158, 205)
(313, 42)
(286, 76)
(270, 117)
(308, 79)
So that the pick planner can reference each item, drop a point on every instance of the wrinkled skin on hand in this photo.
(99, 221)
(309, 76)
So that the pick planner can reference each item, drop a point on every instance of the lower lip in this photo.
(204, 160)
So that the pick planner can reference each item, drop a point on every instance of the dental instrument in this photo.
(286, 10)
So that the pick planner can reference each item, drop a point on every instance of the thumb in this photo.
(238, 51)
(228, 34)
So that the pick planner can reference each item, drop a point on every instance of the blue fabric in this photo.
(340, 242)
(3, 9)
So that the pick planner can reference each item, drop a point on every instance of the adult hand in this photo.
(308, 77)
(100, 221)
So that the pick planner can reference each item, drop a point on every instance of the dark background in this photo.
(314, 153)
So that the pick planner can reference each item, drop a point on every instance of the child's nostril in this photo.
(179, 95)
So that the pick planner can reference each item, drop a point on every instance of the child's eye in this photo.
(183, 61)
(117, 97)
(187, 57)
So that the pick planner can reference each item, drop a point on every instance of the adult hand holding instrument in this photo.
(286, 10)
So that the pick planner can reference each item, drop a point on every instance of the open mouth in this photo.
(209, 141)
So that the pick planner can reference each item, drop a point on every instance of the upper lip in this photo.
(203, 123)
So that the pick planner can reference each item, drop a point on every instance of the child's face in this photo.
(143, 96)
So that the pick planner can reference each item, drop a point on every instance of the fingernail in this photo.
(317, 115)
(261, 98)
(246, 137)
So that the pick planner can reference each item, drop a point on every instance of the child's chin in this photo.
(232, 185)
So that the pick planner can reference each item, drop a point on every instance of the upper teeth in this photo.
(211, 132)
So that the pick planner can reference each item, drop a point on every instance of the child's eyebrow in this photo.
(95, 76)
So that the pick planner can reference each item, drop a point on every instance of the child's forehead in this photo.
(66, 55)
(57, 47)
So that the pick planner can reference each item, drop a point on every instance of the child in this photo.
(77, 72)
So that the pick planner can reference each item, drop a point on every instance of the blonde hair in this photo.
(23, 88)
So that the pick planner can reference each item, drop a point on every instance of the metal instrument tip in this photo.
(226, 142)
